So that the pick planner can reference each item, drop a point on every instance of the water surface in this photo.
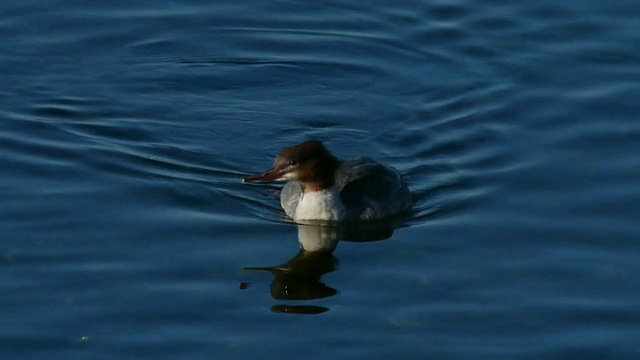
(126, 129)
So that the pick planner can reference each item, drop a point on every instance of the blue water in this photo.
(125, 128)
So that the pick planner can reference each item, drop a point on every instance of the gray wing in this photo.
(371, 189)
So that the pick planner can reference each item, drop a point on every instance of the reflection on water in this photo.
(300, 278)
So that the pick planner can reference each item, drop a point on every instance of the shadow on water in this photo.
(300, 278)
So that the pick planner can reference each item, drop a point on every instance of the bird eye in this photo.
(292, 162)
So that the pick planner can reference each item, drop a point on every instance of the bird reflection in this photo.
(300, 278)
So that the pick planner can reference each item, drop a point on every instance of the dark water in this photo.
(126, 126)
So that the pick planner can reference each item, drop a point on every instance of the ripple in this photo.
(127, 127)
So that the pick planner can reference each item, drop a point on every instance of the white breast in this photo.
(321, 205)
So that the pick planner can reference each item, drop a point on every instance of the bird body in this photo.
(321, 187)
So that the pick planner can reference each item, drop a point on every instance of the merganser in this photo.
(321, 187)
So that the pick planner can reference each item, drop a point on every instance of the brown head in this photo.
(310, 163)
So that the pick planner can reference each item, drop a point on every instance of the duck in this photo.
(319, 186)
